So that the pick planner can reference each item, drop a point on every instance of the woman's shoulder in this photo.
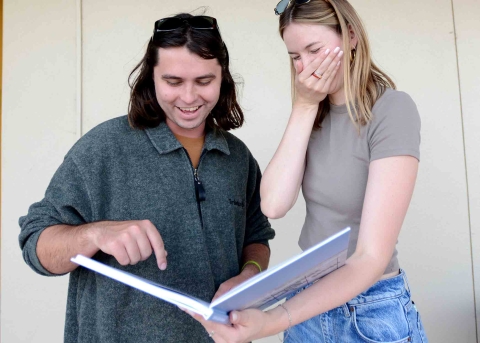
(395, 100)
(394, 106)
(395, 126)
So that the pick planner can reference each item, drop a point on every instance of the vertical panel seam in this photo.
(466, 168)
(79, 67)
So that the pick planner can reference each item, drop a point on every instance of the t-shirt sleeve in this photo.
(395, 127)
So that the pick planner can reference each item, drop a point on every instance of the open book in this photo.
(261, 291)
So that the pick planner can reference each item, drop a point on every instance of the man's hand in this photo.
(129, 241)
(248, 272)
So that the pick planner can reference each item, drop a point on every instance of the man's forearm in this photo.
(257, 252)
(58, 243)
(129, 242)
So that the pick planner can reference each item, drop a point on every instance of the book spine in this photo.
(219, 317)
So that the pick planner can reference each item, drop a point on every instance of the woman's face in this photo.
(305, 42)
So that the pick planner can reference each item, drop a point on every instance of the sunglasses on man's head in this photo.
(200, 22)
(283, 4)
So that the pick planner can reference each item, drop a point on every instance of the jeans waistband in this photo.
(383, 289)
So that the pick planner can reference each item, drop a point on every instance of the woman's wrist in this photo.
(278, 319)
(286, 332)
(305, 106)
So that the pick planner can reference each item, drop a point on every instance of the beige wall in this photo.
(467, 14)
(50, 99)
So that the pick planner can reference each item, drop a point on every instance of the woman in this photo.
(352, 143)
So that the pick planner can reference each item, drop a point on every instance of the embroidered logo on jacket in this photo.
(237, 203)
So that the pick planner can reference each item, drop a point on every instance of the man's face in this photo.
(187, 88)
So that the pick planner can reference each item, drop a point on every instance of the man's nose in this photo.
(189, 94)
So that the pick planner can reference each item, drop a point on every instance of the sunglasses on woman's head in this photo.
(283, 4)
(200, 22)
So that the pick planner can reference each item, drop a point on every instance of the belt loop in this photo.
(405, 280)
(346, 310)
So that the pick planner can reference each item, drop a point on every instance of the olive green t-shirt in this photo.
(337, 163)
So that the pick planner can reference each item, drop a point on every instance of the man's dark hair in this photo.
(144, 110)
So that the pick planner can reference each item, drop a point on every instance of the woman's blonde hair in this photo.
(364, 82)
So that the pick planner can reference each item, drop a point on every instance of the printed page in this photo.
(275, 283)
(308, 277)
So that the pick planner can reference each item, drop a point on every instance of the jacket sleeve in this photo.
(66, 201)
(258, 229)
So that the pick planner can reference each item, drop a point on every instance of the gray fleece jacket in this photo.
(118, 173)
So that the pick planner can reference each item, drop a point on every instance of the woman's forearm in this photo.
(333, 290)
(283, 176)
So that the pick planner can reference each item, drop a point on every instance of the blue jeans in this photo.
(384, 313)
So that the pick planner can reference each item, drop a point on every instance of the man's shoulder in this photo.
(111, 127)
(233, 141)
(239, 150)
(105, 137)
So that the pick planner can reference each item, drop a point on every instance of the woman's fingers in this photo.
(216, 331)
(314, 82)
(328, 75)
(328, 66)
(320, 64)
(308, 69)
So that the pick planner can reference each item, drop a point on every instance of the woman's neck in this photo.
(337, 98)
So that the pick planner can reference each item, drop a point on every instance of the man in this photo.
(166, 177)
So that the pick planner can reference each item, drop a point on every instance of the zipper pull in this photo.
(199, 190)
